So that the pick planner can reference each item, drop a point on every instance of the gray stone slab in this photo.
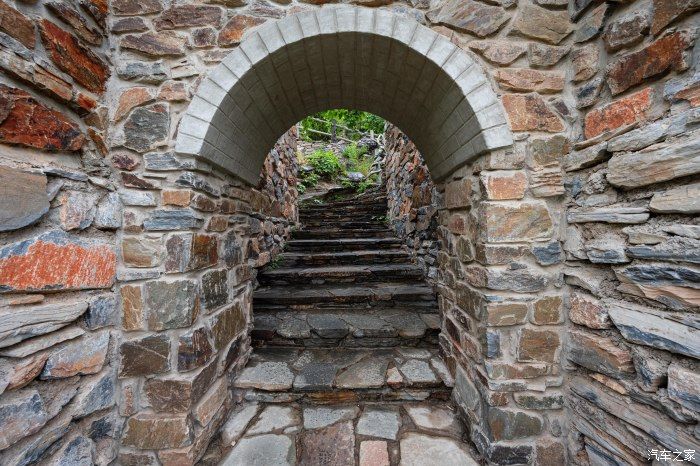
(270, 376)
(262, 450)
(315, 418)
(379, 423)
(421, 450)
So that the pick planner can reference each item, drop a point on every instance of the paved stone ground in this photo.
(365, 434)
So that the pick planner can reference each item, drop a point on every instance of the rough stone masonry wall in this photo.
(632, 246)
(126, 272)
(412, 199)
(630, 91)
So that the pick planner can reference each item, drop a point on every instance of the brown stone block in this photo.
(500, 314)
(186, 252)
(599, 354)
(547, 311)
(187, 16)
(158, 431)
(151, 44)
(79, 357)
(136, 7)
(529, 112)
(131, 98)
(546, 25)
(16, 25)
(585, 309)
(178, 197)
(194, 349)
(210, 404)
(457, 193)
(145, 356)
(227, 324)
(538, 345)
(509, 424)
(132, 307)
(527, 80)
(661, 56)
(515, 222)
(233, 31)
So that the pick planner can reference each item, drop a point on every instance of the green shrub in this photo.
(353, 153)
(357, 120)
(326, 164)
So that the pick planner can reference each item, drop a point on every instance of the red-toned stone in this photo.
(132, 181)
(132, 307)
(98, 9)
(71, 16)
(157, 431)
(173, 91)
(233, 31)
(667, 11)
(504, 185)
(617, 114)
(659, 57)
(178, 197)
(16, 25)
(49, 82)
(25, 121)
(130, 99)
(56, 261)
(84, 103)
(530, 113)
(72, 57)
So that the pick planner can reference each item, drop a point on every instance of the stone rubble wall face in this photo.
(569, 287)
(566, 273)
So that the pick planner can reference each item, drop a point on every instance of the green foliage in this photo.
(306, 180)
(360, 122)
(326, 164)
(352, 152)
(274, 263)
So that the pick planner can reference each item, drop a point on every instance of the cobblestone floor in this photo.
(365, 434)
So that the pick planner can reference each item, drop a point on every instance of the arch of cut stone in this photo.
(343, 57)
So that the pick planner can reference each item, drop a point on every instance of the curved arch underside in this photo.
(343, 57)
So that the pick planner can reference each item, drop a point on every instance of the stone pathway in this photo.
(365, 434)
(346, 369)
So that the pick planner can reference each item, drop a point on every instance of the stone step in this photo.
(316, 375)
(350, 327)
(337, 274)
(419, 294)
(342, 244)
(337, 233)
(357, 202)
(374, 212)
(334, 258)
(344, 224)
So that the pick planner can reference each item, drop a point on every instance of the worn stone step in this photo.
(342, 244)
(316, 375)
(344, 224)
(336, 233)
(358, 202)
(373, 212)
(337, 274)
(350, 327)
(334, 258)
(371, 293)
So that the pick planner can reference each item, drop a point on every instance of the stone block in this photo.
(29, 123)
(541, 55)
(501, 314)
(649, 327)
(85, 355)
(141, 251)
(622, 112)
(458, 193)
(527, 80)
(133, 312)
(684, 384)
(538, 345)
(663, 55)
(181, 219)
(516, 222)
(547, 311)
(509, 424)
(470, 16)
(590, 25)
(211, 403)
(18, 323)
(548, 253)
(194, 349)
(549, 26)
(588, 311)
(232, 33)
(187, 252)
(171, 304)
(500, 52)
(529, 112)
(17, 25)
(599, 354)
(611, 214)
(539, 401)
(158, 431)
(680, 200)
(24, 200)
(70, 55)
(504, 185)
(151, 44)
(654, 165)
(22, 413)
(626, 31)
(102, 312)
(57, 261)
(96, 394)
(147, 128)
(144, 356)
(214, 289)
(227, 324)
(187, 16)
(549, 151)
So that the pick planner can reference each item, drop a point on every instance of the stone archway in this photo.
(349, 57)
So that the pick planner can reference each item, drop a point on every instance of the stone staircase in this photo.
(344, 315)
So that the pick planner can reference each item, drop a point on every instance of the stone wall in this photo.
(632, 235)
(412, 200)
(126, 272)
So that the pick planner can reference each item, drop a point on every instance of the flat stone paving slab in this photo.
(293, 370)
(364, 434)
